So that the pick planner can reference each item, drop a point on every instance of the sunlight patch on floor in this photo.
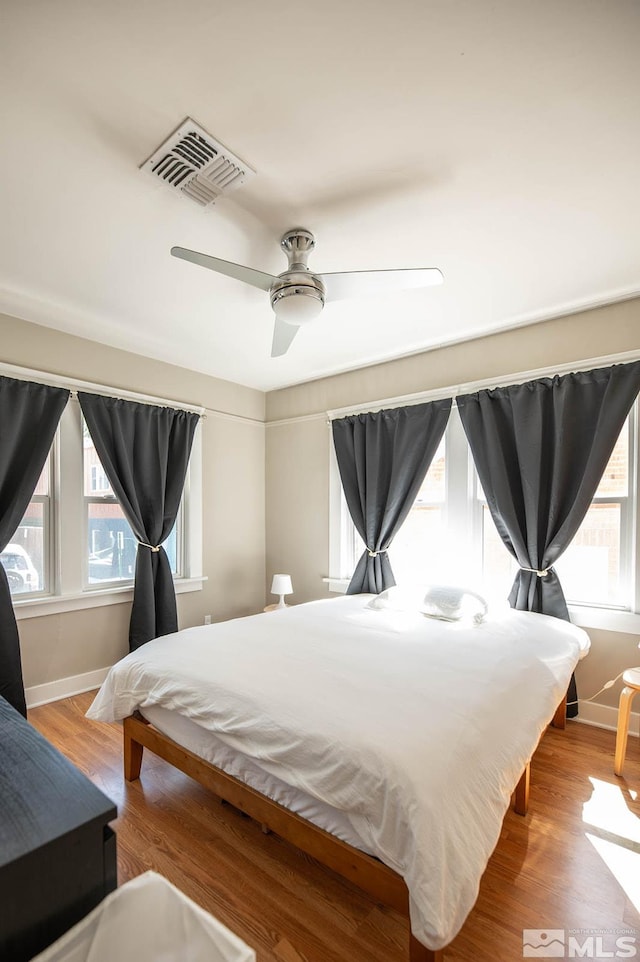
(607, 810)
(624, 865)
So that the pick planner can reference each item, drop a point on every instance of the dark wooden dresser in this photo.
(57, 851)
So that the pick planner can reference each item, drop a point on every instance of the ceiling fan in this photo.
(298, 295)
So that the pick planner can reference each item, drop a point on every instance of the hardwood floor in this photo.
(573, 863)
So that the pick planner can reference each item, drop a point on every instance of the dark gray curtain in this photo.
(540, 450)
(145, 451)
(383, 459)
(29, 415)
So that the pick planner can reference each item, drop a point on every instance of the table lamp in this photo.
(281, 585)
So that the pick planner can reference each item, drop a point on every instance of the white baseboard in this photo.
(64, 687)
(603, 716)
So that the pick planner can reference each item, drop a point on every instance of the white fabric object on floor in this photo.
(148, 920)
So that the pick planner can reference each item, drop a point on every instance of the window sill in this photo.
(338, 585)
(98, 598)
(605, 619)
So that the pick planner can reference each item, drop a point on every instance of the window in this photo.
(596, 568)
(424, 526)
(449, 534)
(436, 540)
(74, 546)
(26, 558)
(99, 480)
(111, 544)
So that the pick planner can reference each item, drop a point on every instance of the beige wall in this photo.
(297, 453)
(233, 459)
(590, 334)
(298, 498)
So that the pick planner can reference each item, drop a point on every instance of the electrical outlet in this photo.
(207, 619)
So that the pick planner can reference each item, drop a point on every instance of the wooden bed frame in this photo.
(367, 872)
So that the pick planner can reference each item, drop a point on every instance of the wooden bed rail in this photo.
(365, 871)
(559, 720)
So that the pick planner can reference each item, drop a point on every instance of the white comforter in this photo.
(417, 729)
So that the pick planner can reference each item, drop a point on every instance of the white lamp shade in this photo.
(281, 585)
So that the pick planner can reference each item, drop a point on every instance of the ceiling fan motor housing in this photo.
(299, 286)
(297, 296)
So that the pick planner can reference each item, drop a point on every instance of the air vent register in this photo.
(195, 164)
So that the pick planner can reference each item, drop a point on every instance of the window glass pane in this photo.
(42, 487)
(499, 567)
(615, 480)
(111, 543)
(23, 558)
(171, 547)
(417, 549)
(589, 570)
(433, 486)
(95, 479)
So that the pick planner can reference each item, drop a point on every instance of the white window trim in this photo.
(56, 604)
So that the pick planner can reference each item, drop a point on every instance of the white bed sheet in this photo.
(396, 720)
(206, 745)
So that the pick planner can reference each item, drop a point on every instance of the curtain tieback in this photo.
(154, 547)
(534, 571)
(374, 554)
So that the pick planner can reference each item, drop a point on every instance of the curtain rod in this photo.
(452, 391)
(138, 398)
(90, 387)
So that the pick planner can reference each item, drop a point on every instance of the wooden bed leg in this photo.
(132, 756)
(521, 800)
(559, 720)
(420, 953)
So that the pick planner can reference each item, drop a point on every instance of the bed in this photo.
(373, 739)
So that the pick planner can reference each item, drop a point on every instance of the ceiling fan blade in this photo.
(237, 271)
(283, 335)
(365, 283)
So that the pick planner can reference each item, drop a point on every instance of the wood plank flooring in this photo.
(572, 863)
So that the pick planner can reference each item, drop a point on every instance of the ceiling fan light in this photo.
(297, 305)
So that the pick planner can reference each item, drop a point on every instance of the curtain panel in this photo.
(540, 450)
(383, 459)
(29, 415)
(145, 452)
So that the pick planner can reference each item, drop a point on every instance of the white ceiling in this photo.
(498, 140)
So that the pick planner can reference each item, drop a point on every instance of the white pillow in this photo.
(450, 603)
(444, 602)
(399, 598)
